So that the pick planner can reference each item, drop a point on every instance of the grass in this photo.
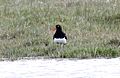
(92, 27)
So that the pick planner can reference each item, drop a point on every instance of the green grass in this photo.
(92, 27)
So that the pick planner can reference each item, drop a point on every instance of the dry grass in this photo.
(92, 27)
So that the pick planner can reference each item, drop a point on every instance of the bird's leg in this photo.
(61, 47)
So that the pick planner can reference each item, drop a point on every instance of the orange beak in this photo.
(53, 29)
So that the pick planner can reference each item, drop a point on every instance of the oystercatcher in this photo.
(59, 36)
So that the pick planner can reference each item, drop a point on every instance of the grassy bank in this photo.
(92, 27)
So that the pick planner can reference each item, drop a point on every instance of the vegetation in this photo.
(92, 27)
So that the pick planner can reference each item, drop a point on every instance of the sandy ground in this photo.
(61, 68)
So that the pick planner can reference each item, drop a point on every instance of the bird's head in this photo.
(58, 27)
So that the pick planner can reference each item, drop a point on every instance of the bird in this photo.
(59, 37)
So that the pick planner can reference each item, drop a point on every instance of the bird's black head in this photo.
(58, 27)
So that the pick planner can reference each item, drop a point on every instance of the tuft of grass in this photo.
(92, 28)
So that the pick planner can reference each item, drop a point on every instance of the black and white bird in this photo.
(59, 36)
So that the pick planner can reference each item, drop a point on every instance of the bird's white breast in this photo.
(60, 40)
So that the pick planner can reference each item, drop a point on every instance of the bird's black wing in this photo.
(59, 35)
(65, 36)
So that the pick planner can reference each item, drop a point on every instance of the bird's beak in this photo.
(53, 29)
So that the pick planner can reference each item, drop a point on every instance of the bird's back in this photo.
(60, 35)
